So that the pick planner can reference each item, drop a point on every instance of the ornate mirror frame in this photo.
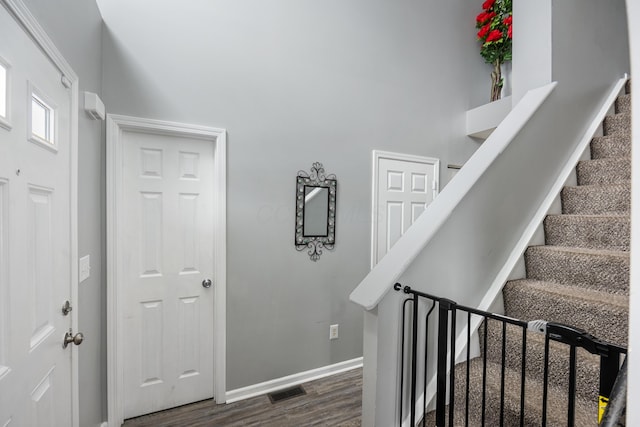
(315, 178)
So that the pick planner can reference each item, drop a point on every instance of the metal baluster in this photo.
(502, 371)
(414, 359)
(545, 380)
(523, 374)
(426, 362)
(484, 371)
(571, 408)
(404, 331)
(466, 407)
(441, 397)
(452, 365)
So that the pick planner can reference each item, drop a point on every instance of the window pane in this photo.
(3, 91)
(39, 119)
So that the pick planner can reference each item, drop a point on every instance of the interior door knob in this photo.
(70, 338)
(207, 283)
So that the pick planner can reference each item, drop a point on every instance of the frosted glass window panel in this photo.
(42, 119)
(3, 91)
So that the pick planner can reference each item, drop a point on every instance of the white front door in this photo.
(35, 234)
(168, 257)
(403, 187)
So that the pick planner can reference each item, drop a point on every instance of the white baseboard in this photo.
(292, 380)
(104, 424)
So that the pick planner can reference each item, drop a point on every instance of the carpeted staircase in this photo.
(580, 277)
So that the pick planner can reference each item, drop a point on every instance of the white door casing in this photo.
(166, 235)
(38, 230)
(403, 185)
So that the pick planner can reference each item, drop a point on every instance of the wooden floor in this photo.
(332, 401)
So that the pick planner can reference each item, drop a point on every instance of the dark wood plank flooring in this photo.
(332, 401)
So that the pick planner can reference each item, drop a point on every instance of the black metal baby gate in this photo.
(416, 340)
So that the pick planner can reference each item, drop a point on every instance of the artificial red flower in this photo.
(510, 32)
(508, 20)
(484, 31)
(484, 17)
(488, 4)
(494, 35)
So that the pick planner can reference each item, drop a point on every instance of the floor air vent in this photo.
(288, 393)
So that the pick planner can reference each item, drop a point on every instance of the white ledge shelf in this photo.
(483, 120)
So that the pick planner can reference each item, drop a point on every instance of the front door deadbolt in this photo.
(66, 308)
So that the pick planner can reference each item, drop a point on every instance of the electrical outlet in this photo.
(333, 332)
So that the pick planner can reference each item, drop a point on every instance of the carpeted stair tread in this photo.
(611, 146)
(617, 124)
(610, 231)
(586, 412)
(623, 104)
(597, 199)
(587, 367)
(602, 314)
(596, 269)
(613, 170)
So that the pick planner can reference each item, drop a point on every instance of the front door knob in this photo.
(70, 338)
(207, 283)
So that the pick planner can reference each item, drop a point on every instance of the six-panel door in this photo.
(404, 188)
(168, 255)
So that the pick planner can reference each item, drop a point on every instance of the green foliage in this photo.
(495, 31)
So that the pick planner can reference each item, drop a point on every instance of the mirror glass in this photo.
(316, 211)
(316, 194)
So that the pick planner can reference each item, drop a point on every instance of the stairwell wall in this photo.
(589, 53)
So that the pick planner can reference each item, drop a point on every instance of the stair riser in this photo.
(594, 200)
(623, 104)
(610, 146)
(604, 171)
(592, 271)
(511, 408)
(599, 319)
(617, 124)
(627, 87)
(587, 368)
(611, 233)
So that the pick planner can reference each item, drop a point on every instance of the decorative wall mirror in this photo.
(315, 211)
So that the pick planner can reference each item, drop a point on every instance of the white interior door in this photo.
(35, 234)
(403, 187)
(168, 256)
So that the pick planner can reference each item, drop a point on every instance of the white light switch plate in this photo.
(85, 268)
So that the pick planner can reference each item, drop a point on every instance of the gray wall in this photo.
(293, 82)
(76, 29)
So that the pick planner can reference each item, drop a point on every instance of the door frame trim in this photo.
(30, 24)
(377, 155)
(116, 125)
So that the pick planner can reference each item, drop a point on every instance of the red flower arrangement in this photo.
(495, 25)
